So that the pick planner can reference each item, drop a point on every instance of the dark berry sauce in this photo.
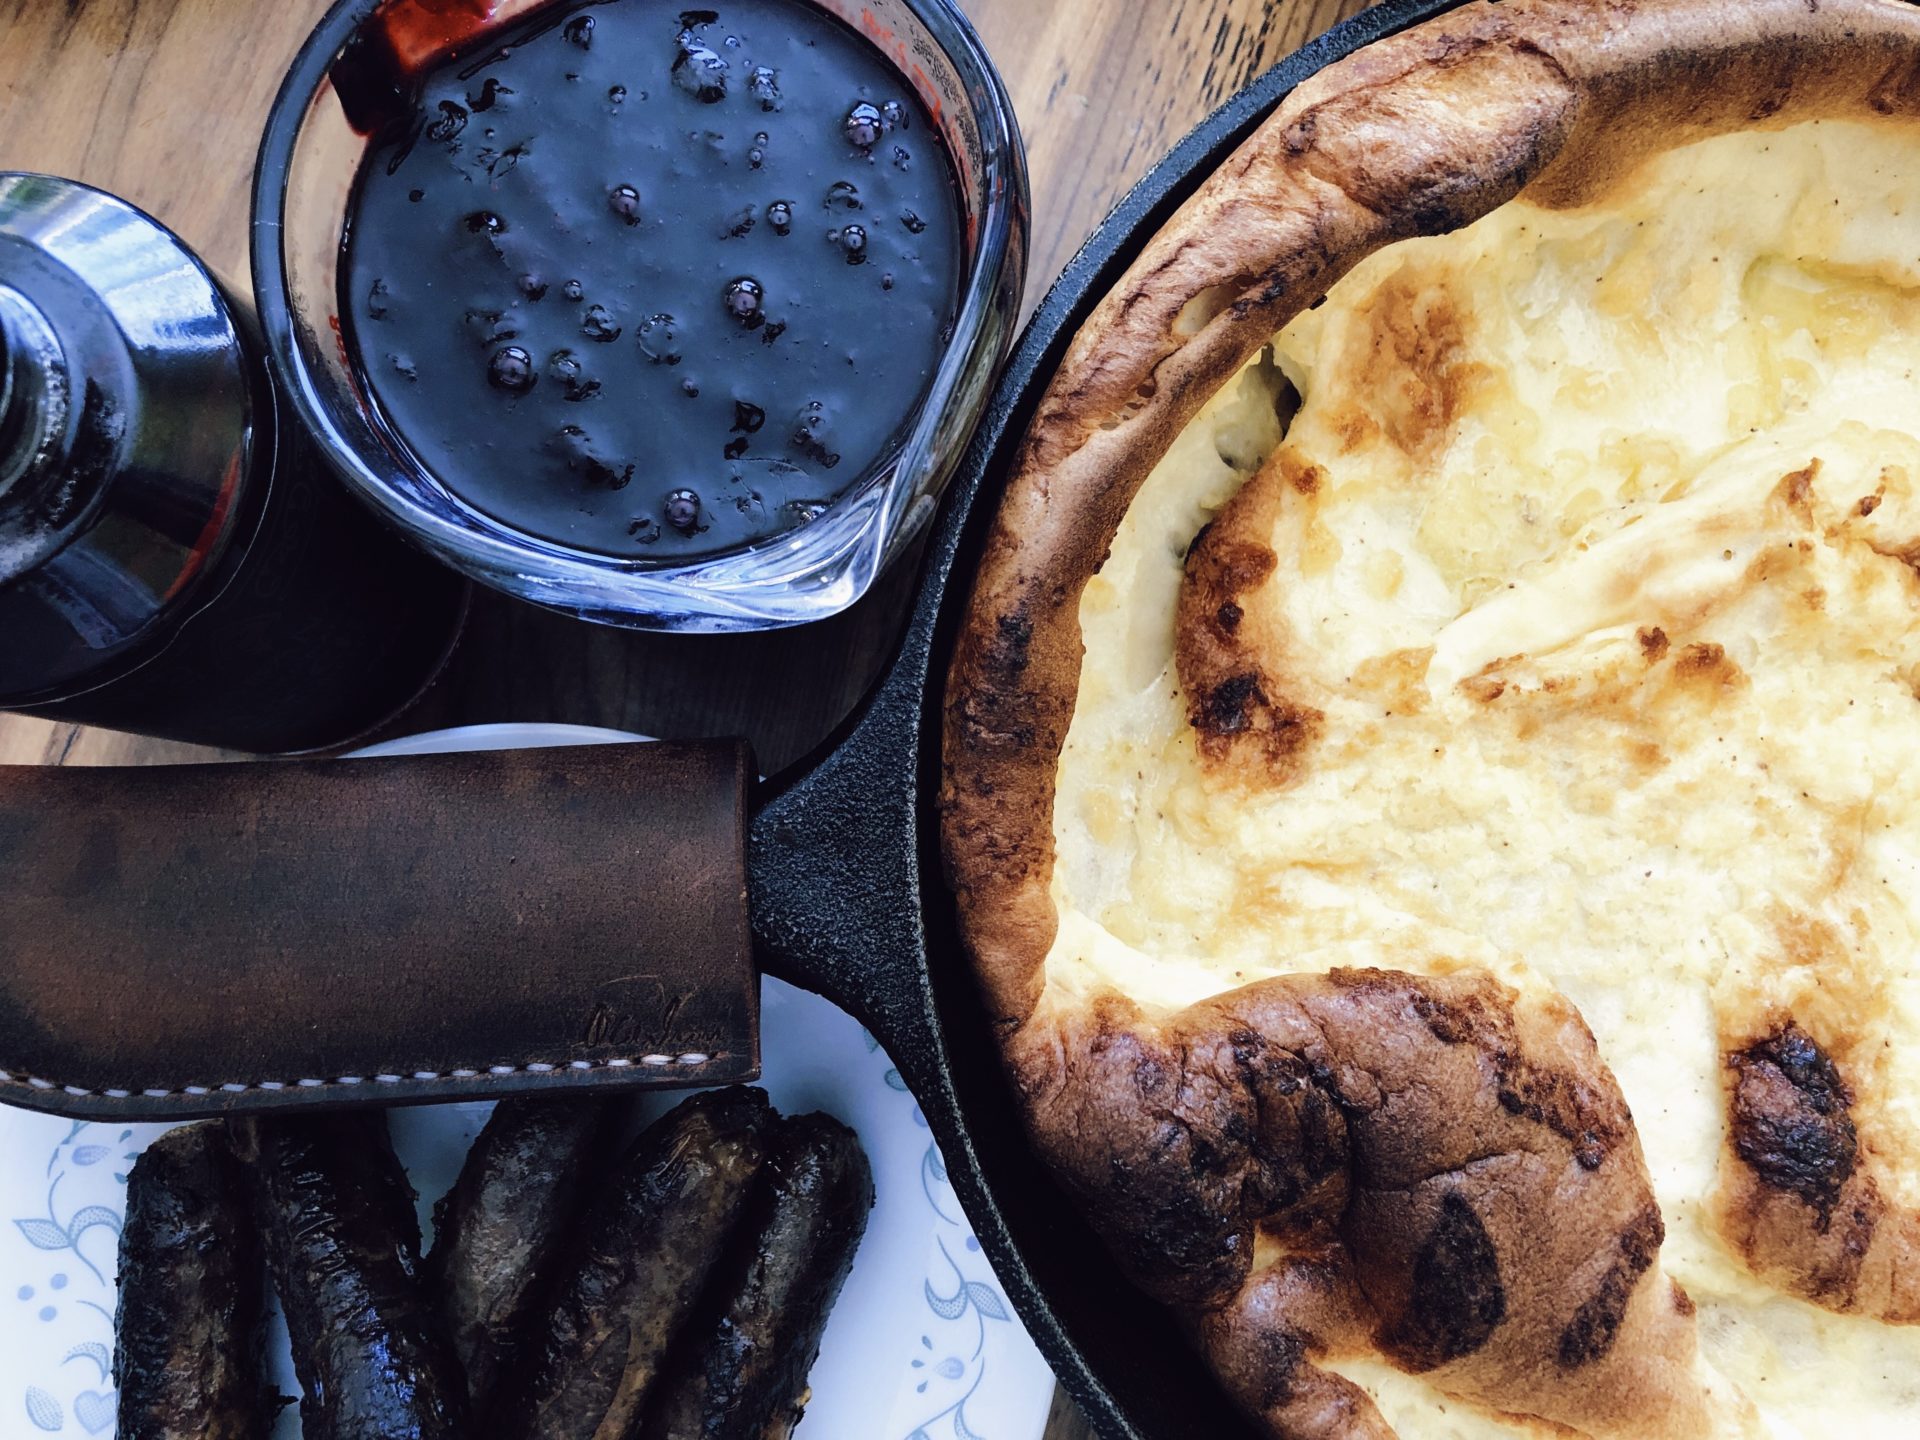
(656, 282)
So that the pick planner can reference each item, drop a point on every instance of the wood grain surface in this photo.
(162, 101)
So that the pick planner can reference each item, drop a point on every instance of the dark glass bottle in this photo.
(174, 557)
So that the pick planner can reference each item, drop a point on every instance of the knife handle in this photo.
(183, 941)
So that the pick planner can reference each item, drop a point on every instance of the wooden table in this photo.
(162, 101)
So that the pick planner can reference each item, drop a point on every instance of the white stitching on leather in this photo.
(691, 1058)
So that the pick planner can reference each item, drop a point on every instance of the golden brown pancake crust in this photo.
(1381, 1129)
(1243, 1124)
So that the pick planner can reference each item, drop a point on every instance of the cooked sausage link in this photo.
(501, 1231)
(186, 1342)
(648, 1246)
(740, 1373)
(343, 1246)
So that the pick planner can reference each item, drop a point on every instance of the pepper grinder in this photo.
(175, 559)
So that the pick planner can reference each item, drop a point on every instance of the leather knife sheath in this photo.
(180, 941)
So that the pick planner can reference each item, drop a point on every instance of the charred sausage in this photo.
(186, 1341)
(648, 1246)
(740, 1373)
(343, 1246)
(501, 1230)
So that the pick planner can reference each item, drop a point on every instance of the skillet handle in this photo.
(191, 940)
(836, 878)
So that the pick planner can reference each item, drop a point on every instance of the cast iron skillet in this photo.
(846, 889)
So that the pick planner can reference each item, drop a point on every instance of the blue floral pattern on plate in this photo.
(962, 1295)
(922, 1346)
(60, 1270)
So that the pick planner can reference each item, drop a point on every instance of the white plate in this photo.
(922, 1346)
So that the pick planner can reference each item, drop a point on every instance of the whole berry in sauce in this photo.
(598, 324)
(533, 286)
(485, 222)
(660, 339)
(844, 195)
(746, 301)
(683, 511)
(489, 328)
(511, 370)
(579, 31)
(747, 419)
(915, 225)
(864, 125)
(690, 388)
(624, 201)
(617, 94)
(700, 71)
(565, 367)
(894, 114)
(574, 290)
(780, 217)
(853, 240)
